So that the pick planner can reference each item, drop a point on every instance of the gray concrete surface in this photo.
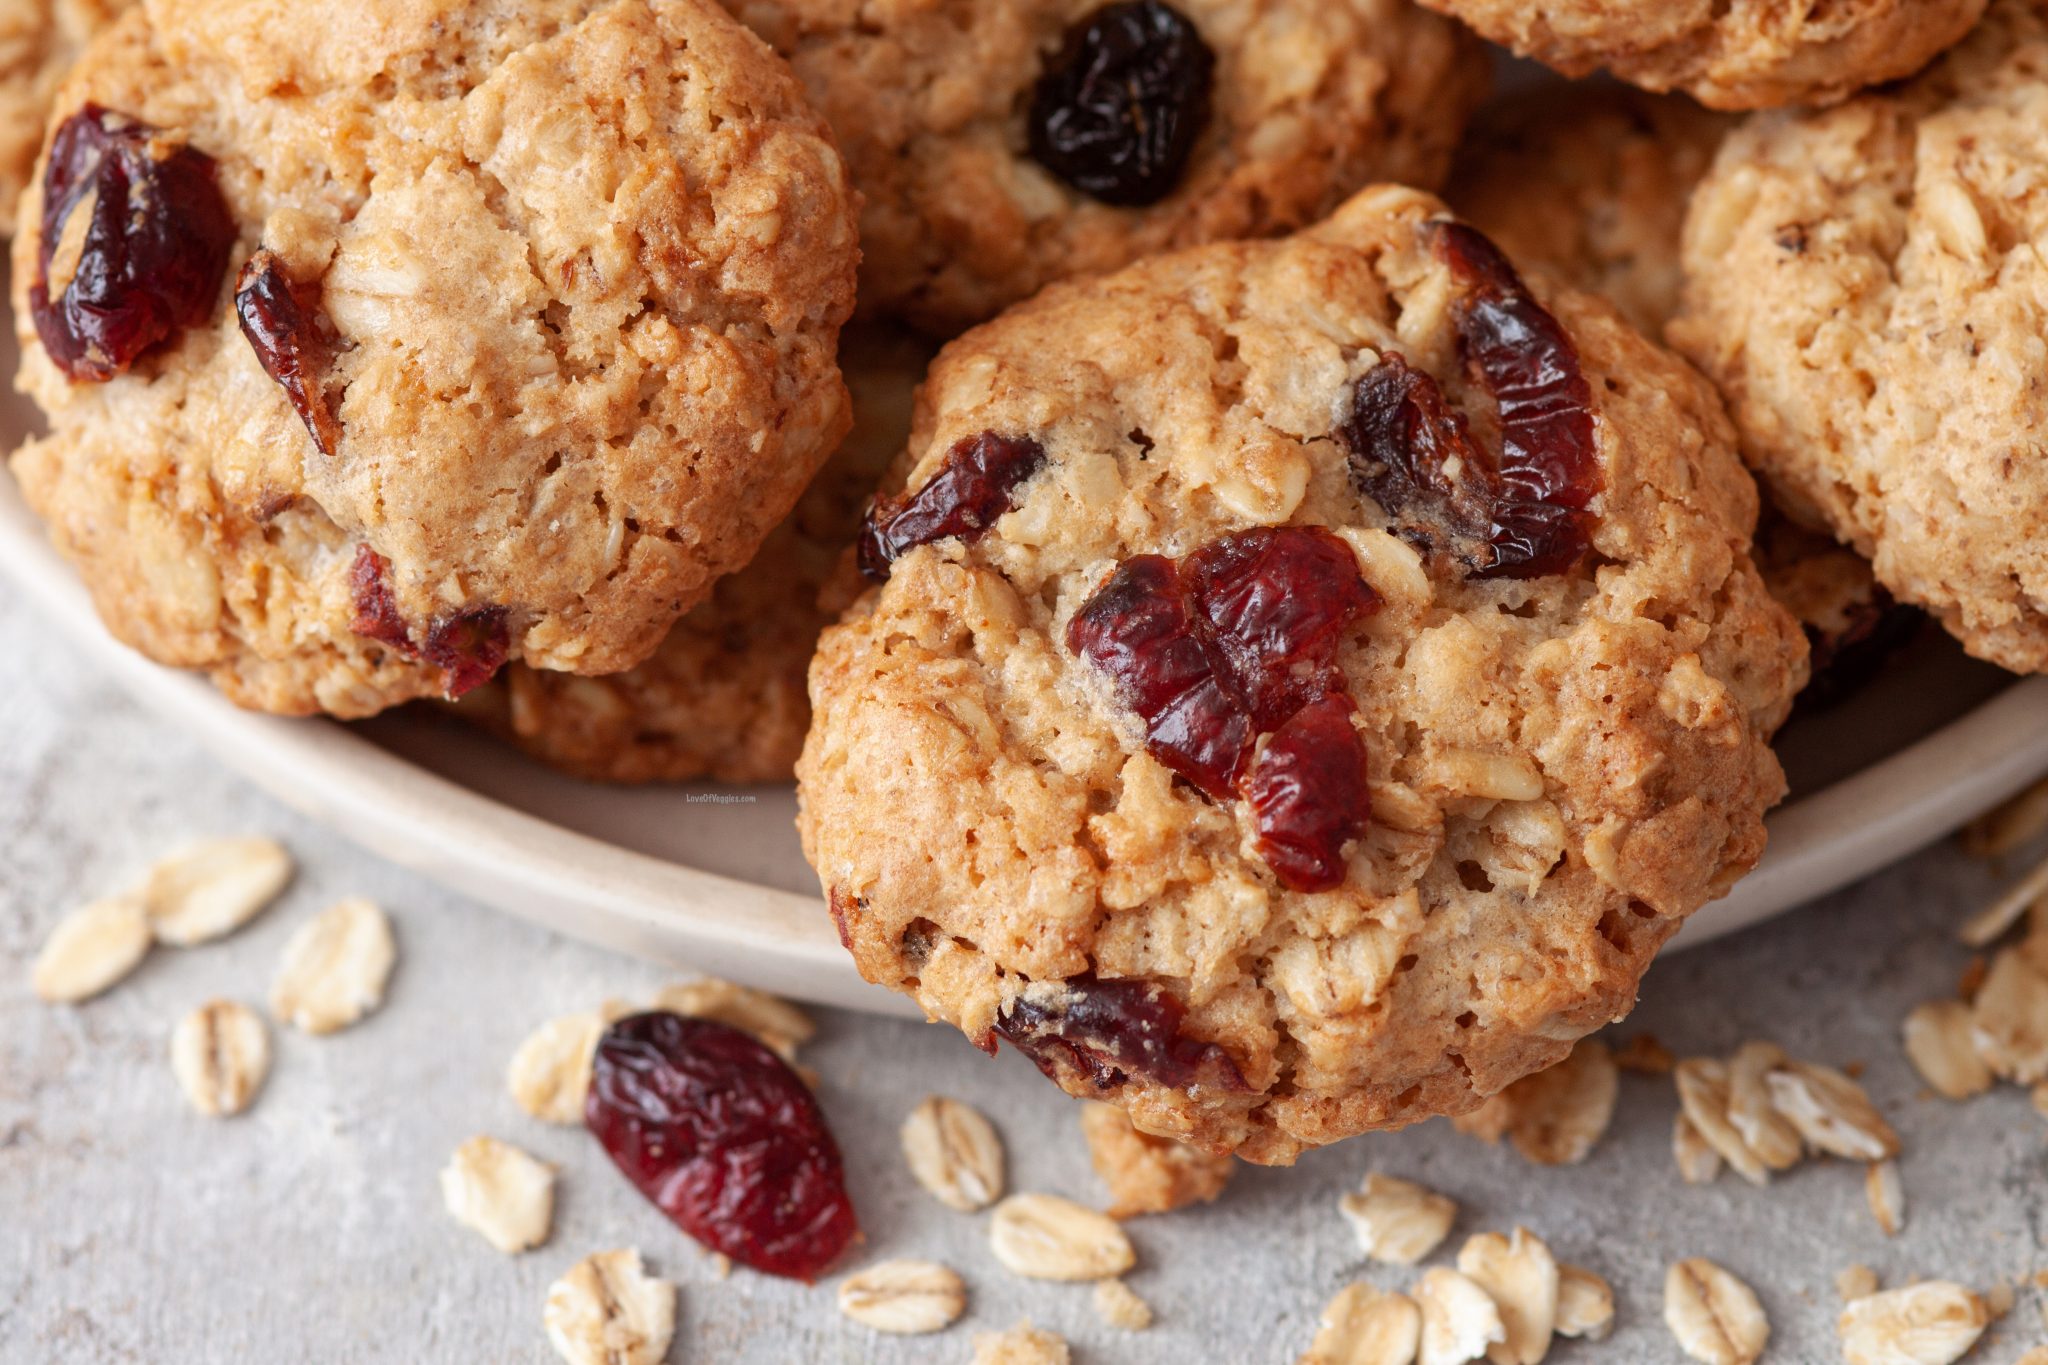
(311, 1230)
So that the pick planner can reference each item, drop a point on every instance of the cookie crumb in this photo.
(1117, 1304)
(1148, 1174)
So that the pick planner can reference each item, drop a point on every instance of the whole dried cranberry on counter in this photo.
(725, 1139)
(134, 222)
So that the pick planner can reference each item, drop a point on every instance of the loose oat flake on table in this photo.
(500, 1192)
(335, 968)
(1942, 1048)
(954, 1152)
(220, 1054)
(1365, 1325)
(609, 1311)
(1585, 1304)
(1521, 1277)
(549, 1075)
(908, 1298)
(1397, 1222)
(1118, 1305)
(1934, 1322)
(91, 949)
(1460, 1321)
(1045, 1237)
(211, 889)
(1557, 1116)
(1021, 1345)
(1714, 1316)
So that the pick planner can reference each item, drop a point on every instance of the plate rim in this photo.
(651, 907)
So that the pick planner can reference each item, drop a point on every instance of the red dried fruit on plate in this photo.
(284, 331)
(1524, 514)
(143, 262)
(1103, 1032)
(975, 486)
(725, 1139)
(468, 646)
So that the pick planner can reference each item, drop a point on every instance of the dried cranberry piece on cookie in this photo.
(1108, 1031)
(285, 332)
(974, 487)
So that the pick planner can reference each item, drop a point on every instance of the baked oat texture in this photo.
(587, 262)
(1727, 54)
(1590, 183)
(724, 697)
(1312, 99)
(39, 39)
(985, 817)
(1863, 285)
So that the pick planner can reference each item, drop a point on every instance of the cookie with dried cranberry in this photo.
(39, 39)
(1307, 681)
(1733, 54)
(724, 697)
(1004, 144)
(1863, 284)
(393, 342)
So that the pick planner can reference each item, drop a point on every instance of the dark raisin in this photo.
(1523, 514)
(1122, 104)
(377, 615)
(1308, 795)
(151, 250)
(285, 332)
(468, 646)
(1100, 1033)
(725, 1139)
(1232, 643)
(975, 486)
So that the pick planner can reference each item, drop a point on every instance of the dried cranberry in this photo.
(1308, 795)
(468, 646)
(290, 344)
(152, 251)
(725, 1139)
(1120, 107)
(1524, 514)
(975, 486)
(1238, 640)
(377, 615)
(1103, 1032)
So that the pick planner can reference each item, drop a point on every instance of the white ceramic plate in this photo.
(712, 880)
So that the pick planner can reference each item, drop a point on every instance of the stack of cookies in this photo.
(1306, 643)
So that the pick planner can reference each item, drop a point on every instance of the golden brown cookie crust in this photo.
(724, 697)
(1728, 54)
(587, 263)
(1313, 98)
(1591, 747)
(1863, 285)
(39, 39)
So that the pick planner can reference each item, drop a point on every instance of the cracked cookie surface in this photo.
(1728, 54)
(933, 103)
(577, 270)
(1562, 763)
(1862, 284)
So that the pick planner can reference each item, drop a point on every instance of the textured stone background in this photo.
(311, 1230)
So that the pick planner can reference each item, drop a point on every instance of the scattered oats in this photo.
(954, 1153)
(1397, 1221)
(550, 1073)
(1021, 1345)
(1987, 927)
(1942, 1049)
(335, 968)
(609, 1311)
(1972, 979)
(1045, 1237)
(1585, 1304)
(1117, 1304)
(1714, 1316)
(1366, 1326)
(1646, 1056)
(1555, 1117)
(1703, 1095)
(1519, 1274)
(220, 1054)
(1831, 1112)
(2037, 1356)
(909, 1298)
(2000, 1298)
(1148, 1174)
(1857, 1282)
(91, 949)
(1930, 1323)
(2009, 1020)
(1886, 1194)
(1698, 1163)
(1459, 1319)
(212, 889)
(781, 1026)
(1490, 1121)
(493, 1188)
(2011, 823)
(1751, 1113)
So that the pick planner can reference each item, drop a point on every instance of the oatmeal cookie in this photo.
(1310, 680)
(724, 697)
(446, 334)
(1003, 144)
(1731, 54)
(1590, 183)
(1863, 285)
(39, 39)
